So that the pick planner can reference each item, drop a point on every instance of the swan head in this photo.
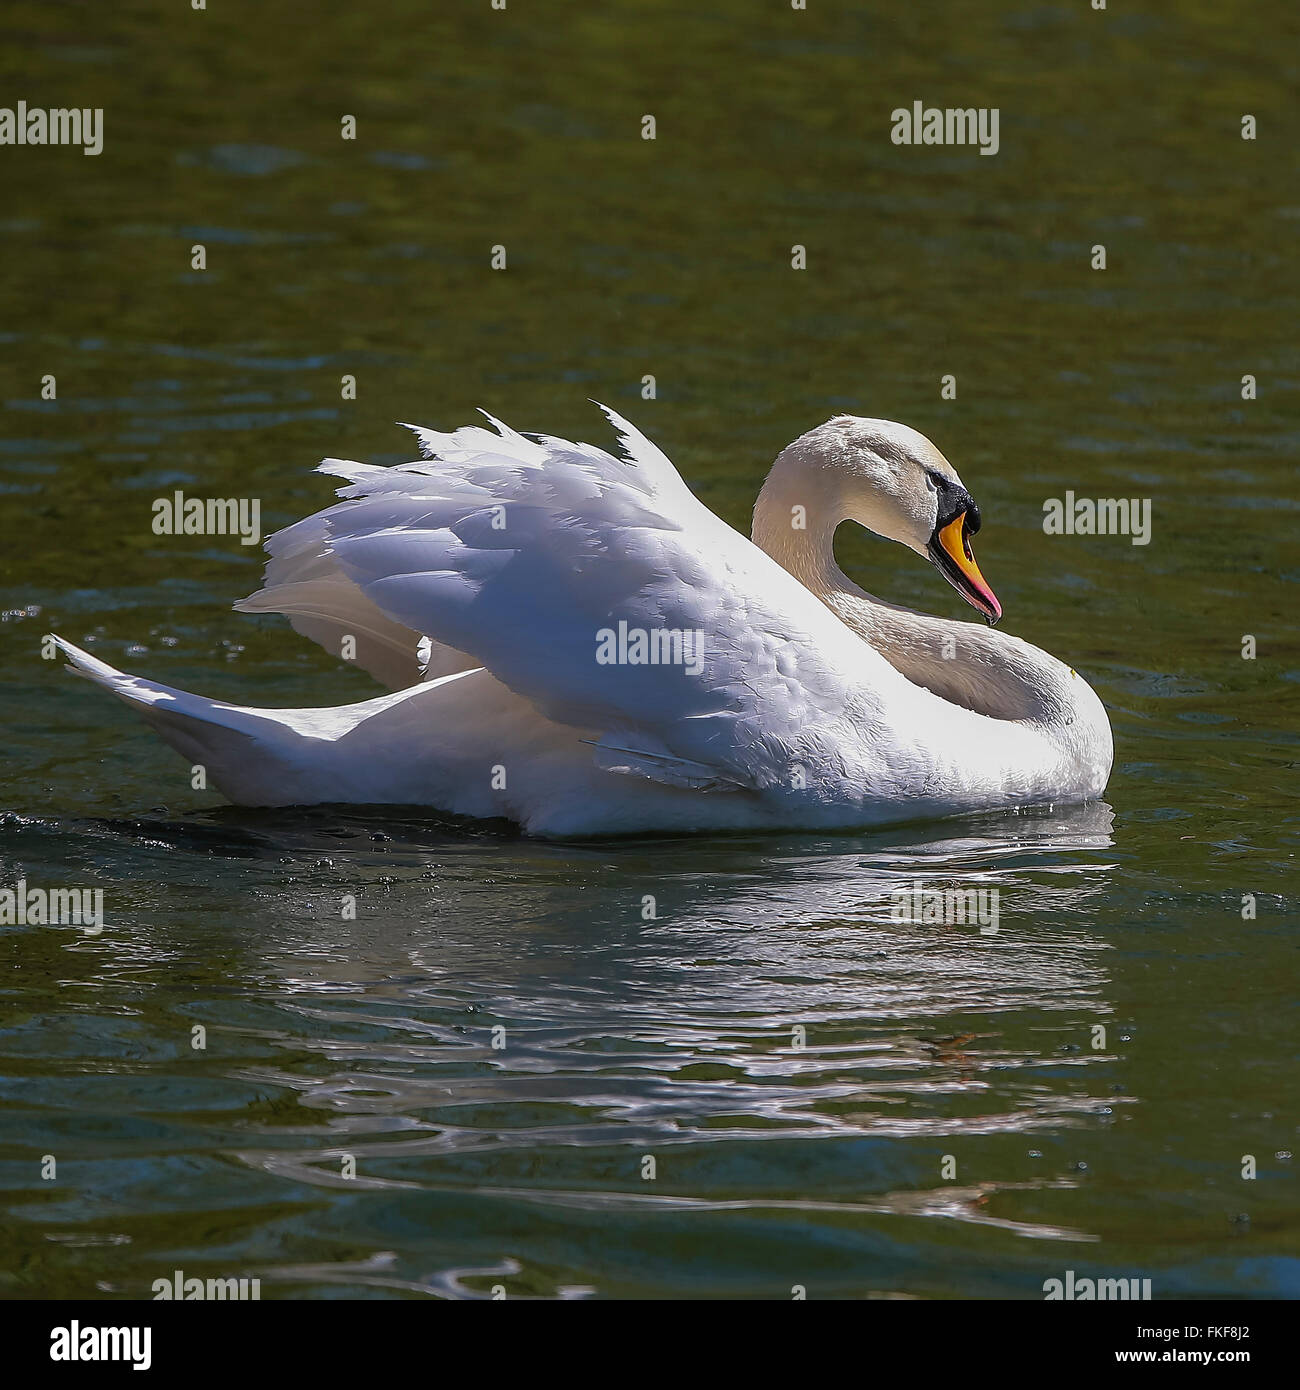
(893, 481)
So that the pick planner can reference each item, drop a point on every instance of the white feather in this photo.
(485, 577)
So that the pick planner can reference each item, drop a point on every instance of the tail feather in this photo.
(256, 757)
(392, 748)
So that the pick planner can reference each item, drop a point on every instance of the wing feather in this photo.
(526, 554)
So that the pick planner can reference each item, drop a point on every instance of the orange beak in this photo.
(950, 551)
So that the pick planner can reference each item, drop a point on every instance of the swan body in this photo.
(574, 642)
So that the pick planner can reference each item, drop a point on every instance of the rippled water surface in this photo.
(501, 1040)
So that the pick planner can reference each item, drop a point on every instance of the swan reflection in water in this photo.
(505, 1024)
(773, 996)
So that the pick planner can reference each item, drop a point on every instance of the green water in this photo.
(1117, 1152)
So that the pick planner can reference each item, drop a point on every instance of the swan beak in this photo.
(950, 551)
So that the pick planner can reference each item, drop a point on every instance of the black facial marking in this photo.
(953, 501)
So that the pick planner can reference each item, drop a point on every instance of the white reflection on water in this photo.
(674, 1036)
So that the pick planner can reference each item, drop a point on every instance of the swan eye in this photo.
(972, 519)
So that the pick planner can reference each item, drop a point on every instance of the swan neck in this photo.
(795, 519)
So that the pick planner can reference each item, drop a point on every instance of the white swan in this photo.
(579, 645)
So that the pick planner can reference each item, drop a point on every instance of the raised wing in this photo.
(304, 582)
(603, 591)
